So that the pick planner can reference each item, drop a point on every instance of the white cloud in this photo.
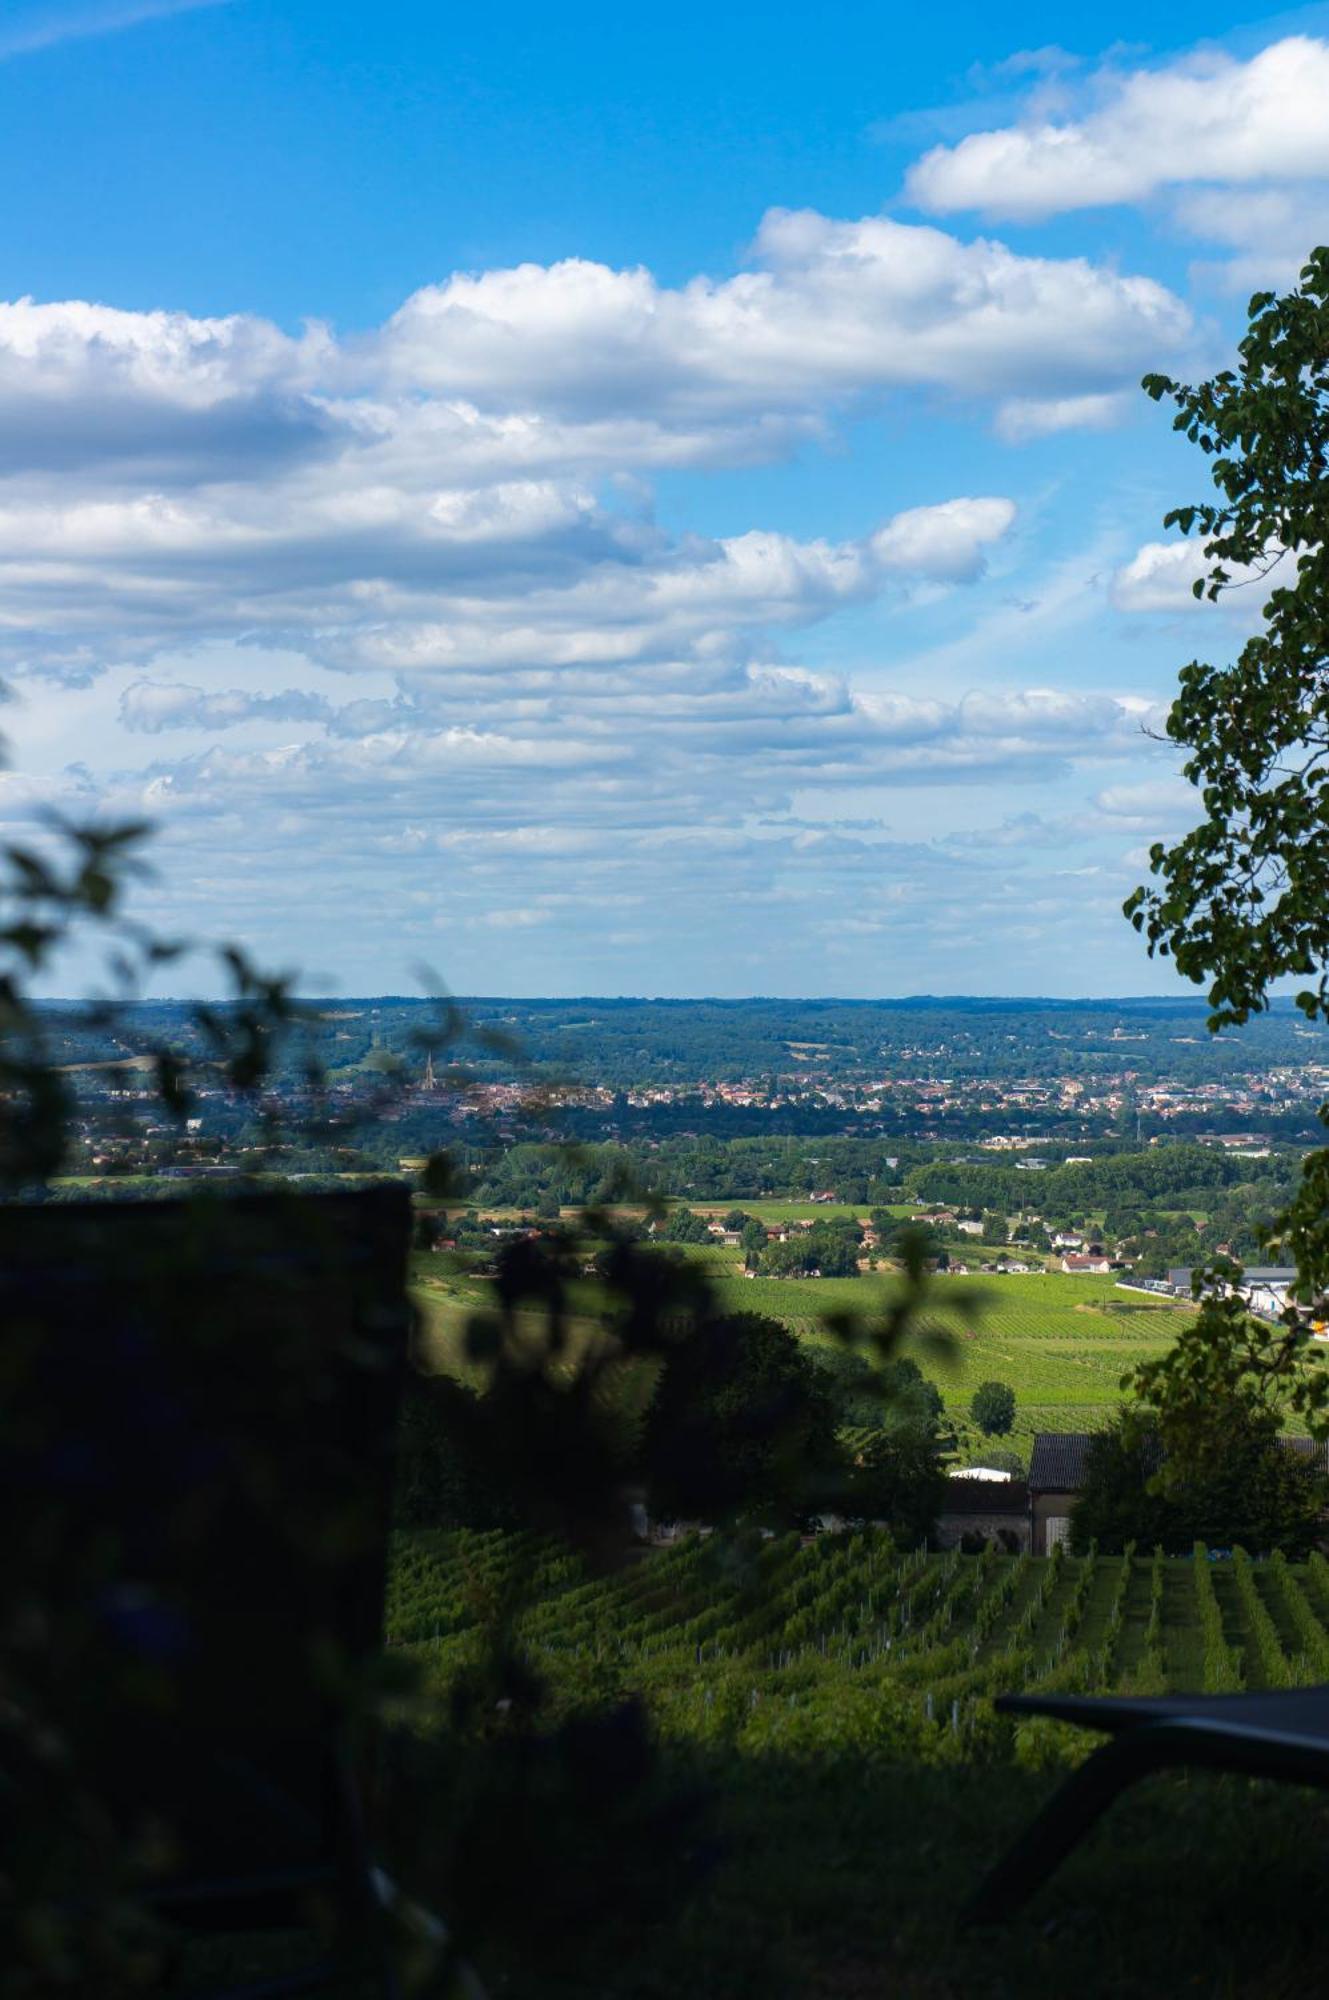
(946, 542)
(152, 706)
(448, 492)
(1163, 800)
(832, 308)
(46, 27)
(1161, 577)
(553, 818)
(1206, 117)
(533, 574)
(515, 375)
(1268, 231)
(394, 615)
(1022, 418)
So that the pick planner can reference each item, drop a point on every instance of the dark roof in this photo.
(985, 1496)
(1057, 1462)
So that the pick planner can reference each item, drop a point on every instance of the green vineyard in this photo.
(1062, 1343)
(782, 1640)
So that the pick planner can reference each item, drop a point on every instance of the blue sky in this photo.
(652, 502)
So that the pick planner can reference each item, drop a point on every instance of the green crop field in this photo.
(1062, 1343)
(831, 1705)
(804, 1624)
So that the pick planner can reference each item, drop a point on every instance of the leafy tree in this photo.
(993, 1408)
(1244, 897)
(834, 1248)
(737, 1218)
(682, 1226)
(753, 1241)
(1118, 1504)
(447, 1474)
(1256, 1493)
(1242, 900)
(830, 1249)
(994, 1228)
(792, 1258)
(865, 1397)
(740, 1420)
(910, 1397)
(896, 1476)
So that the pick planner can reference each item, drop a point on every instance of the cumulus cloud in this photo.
(831, 308)
(83, 385)
(1206, 117)
(519, 674)
(779, 730)
(1161, 577)
(509, 374)
(530, 574)
(710, 814)
(446, 492)
(948, 542)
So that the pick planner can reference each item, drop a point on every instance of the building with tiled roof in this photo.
(1056, 1479)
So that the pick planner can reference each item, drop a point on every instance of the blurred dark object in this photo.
(198, 1404)
(1284, 1734)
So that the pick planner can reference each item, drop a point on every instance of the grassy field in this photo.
(831, 1705)
(802, 1211)
(1062, 1343)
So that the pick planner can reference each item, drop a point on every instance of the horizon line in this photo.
(713, 999)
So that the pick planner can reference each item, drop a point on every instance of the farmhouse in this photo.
(1086, 1266)
(985, 1509)
(1056, 1478)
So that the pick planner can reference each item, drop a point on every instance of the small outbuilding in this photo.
(985, 1510)
(1056, 1480)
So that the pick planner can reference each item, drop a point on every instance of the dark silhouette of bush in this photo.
(741, 1422)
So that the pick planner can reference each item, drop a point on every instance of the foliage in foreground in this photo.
(1256, 1491)
(791, 1691)
(1242, 900)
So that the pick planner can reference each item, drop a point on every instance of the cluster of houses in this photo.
(1265, 1289)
